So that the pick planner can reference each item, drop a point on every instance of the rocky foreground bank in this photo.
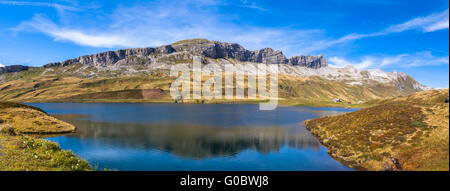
(405, 133)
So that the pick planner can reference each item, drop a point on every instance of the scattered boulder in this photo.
(336, 100)
(392, 165)
(179, 99)
(396, 163)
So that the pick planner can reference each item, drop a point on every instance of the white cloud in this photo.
(252, 5)
(340, 63)
(1, 64)
(440, 88)
(324, 44)
(160, 22)
(40, 4)
(163, 22)
(402, 60)
(433, 22)
(255, 7)
(424, 58)
(43, 24)
(443, 24)
(386, 61)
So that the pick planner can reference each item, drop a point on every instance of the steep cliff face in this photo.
(112, 57)
(308, 61)
(206, 48)
(14, 68)
(212, 49)
(267, 56)
(215, 49)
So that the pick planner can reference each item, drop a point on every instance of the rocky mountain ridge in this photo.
(202, 47)
(136, 61)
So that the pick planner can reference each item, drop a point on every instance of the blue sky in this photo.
(403, 35)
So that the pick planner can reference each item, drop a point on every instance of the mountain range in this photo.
(304, 76)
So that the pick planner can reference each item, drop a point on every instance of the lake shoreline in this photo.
(283, 102)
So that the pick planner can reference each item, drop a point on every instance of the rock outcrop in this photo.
(13, 68)
(112, 57)
(268, 56)
(308, 61)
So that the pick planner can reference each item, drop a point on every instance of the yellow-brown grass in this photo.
(20, 152)
(25, 119)
(29, 121)
(407, 133)
(298, 91)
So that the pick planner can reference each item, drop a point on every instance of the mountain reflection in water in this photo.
(194, 141)
(142, 136)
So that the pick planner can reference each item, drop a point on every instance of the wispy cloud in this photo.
(341, 62)
(418, 59)
(431, 23)
(45, 25)
(327, 43)
(424, 58)
(40, 4)
(160, 22)
(252, 5)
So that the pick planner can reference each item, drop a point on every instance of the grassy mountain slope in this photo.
(407, 133)
(36, 85)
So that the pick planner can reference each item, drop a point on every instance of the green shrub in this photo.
(419, 124)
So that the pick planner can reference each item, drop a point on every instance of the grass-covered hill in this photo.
(20, 151)
(405, 133)
(26, 119)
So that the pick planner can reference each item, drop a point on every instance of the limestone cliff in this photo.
(206, 48)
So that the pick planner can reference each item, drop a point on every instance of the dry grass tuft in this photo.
(8, 130)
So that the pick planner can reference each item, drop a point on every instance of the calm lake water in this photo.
(141, 136)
